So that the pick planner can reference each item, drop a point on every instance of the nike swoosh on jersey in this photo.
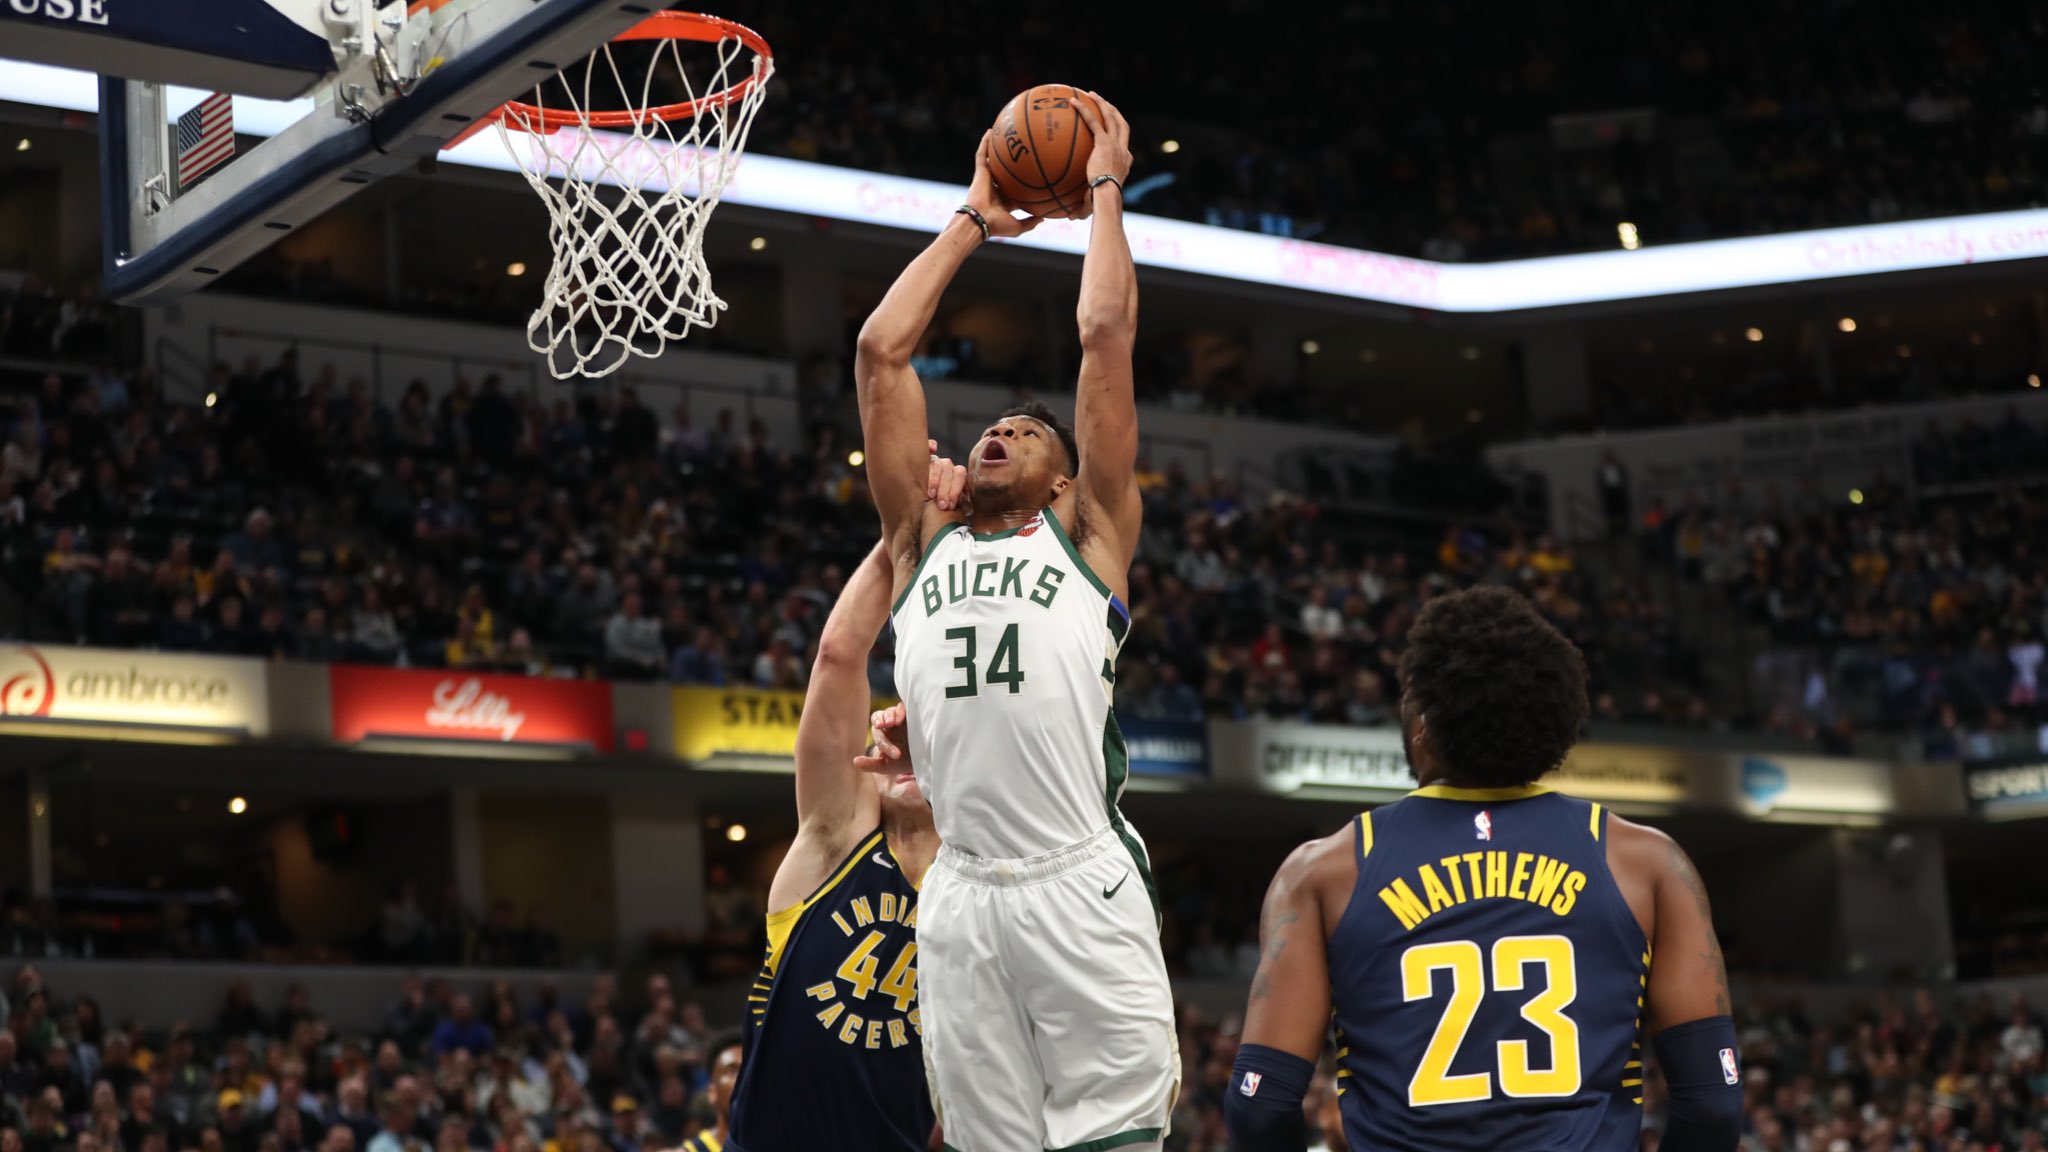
(882, 859)
(1107, 893)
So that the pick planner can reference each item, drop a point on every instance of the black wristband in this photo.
(968, 210)
(1106, 178)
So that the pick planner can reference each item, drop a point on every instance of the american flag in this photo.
(206, 137)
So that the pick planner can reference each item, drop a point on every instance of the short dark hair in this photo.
(1038, 410)
(719, 1042)
(1503, 692)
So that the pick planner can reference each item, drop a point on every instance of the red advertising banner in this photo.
(454, 705)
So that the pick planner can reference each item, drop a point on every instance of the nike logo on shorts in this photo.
(1107, 893)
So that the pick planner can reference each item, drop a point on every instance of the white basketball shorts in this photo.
(1048, 1019)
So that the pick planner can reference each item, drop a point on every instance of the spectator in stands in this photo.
(629, 1132)
(18, 1078)
(670, 1117)
(778, 667)
(398, 1119)
(2020, 1043)
(45, 1130)
(410, 1021)
(632, 642)
(1319, 620)
(585, 604)
(230, 633)
(373, 630)
(142, 1117)
(1172, 698)
(255, 547)
(237, 1132)
(461, 1030)
(404, 935)
(702, 661)
(351, 1113)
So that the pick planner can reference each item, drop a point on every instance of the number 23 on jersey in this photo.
(1467, 965)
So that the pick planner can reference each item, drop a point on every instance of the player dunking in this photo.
(1494, 951)
(834, 1057)
(1048, 1017)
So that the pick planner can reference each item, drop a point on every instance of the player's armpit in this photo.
(1289, 1009)
(1688, 979)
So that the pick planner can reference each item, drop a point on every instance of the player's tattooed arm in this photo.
(1709, 954)
(1276, 927)
(1290, 999)
(1688, 977)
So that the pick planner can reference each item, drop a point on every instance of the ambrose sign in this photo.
(133, 688)
(371, 702)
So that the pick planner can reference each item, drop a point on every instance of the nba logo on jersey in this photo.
(1728, 1069)
(1484, 822)
(1250, 1087)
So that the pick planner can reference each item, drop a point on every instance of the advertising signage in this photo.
(133, 689)
(404, 703)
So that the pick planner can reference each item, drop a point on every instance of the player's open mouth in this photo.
(995, 453)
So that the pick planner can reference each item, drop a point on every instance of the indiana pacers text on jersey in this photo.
(894, 991)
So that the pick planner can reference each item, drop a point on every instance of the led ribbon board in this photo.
(809, 189)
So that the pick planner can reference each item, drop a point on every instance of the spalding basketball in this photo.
(1041, 152)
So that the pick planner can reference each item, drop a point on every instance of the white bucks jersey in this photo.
(1006, 651)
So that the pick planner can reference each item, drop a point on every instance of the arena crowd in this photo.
(496, 1068)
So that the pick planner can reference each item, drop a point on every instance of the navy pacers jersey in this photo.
(834, 1054)
(1488, 978)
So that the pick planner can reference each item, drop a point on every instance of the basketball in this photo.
(1041, 152)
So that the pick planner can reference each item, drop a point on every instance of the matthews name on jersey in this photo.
(1488, 977)
(833, 1031)
(1006, 660)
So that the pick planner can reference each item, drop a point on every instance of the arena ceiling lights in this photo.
(795, 186)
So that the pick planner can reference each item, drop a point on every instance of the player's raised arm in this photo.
(1686, 1008)
(831, 795)
(1288, 1015)
(892, 411)
(834, 799)
(1105, 411)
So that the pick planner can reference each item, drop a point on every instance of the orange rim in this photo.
(694, 26)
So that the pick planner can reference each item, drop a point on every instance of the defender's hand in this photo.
(946, 485)
(891, 743)
(983, 197)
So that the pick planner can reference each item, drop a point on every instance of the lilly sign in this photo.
(820, 190)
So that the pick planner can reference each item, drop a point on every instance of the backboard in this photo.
(370, 89)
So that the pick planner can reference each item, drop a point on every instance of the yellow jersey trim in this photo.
(780, 924)
(916, 885)
(1446, 792)
(1364, 834)
(1593, 822)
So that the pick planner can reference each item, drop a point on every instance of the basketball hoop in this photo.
(628, 272)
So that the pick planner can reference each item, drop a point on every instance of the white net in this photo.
(629, 203)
